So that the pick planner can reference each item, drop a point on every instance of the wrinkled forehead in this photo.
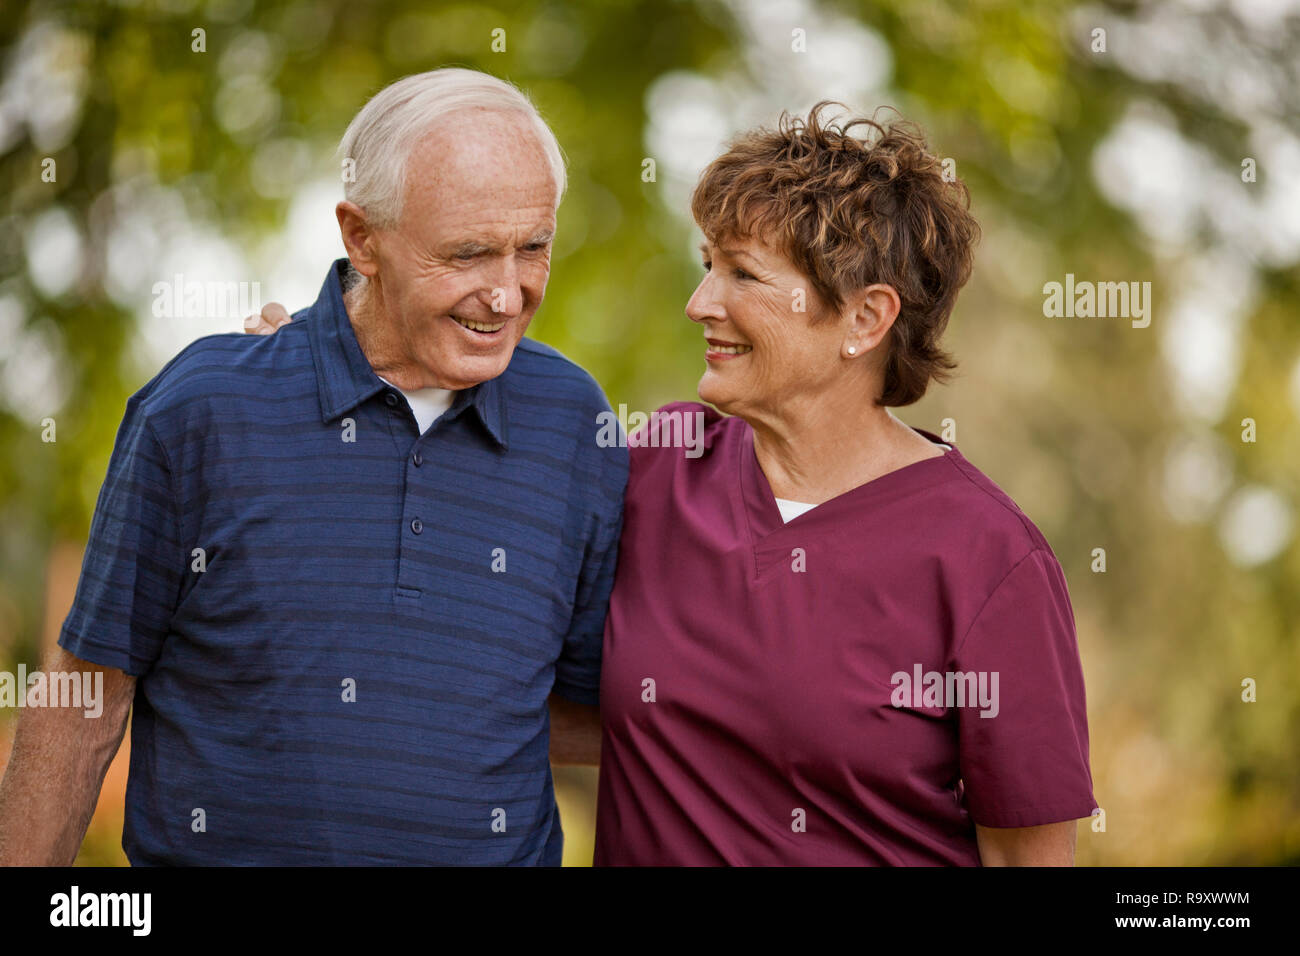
(476, 149)
(492, 176)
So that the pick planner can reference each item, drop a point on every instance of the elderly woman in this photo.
(832, 639)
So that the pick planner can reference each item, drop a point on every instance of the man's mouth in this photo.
(483, 328)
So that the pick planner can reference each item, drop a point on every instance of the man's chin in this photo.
(466, 371)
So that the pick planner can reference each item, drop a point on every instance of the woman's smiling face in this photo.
(770, 338)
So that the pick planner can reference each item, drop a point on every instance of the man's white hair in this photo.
(380, 138)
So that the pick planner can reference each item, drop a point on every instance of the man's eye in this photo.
(742, 274)
(707, 265)
(466, 256)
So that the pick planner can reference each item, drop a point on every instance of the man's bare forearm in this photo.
(56, 769)
(575, 732)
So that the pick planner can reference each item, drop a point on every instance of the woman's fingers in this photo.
(272, 317)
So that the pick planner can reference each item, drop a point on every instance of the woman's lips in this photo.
(720, 350)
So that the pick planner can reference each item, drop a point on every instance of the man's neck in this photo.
(382, 347)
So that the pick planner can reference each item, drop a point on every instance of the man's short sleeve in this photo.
(134, 564)
(1027, 763)
(577, 672)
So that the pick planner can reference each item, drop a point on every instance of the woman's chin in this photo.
(715, 393)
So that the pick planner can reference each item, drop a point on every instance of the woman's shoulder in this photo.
(692, 427)
(680, 436)
(978, 509)
(709, 415)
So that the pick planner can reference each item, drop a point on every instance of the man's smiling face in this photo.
(463, 271)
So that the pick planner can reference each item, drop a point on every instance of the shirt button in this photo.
(417, 525)
(391, 399)
(417, 459)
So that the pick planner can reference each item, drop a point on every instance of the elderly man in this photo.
(342, 570)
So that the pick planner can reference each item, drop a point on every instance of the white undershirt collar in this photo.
(426, 403)
(793, 509)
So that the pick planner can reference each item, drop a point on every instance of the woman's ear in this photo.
(358, 238)
(874, 309)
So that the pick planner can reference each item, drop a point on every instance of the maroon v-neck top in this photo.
(752, 691)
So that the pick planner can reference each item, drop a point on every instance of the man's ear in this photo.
(358, 238)
(873, 311)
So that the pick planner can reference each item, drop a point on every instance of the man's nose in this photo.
(506, 297)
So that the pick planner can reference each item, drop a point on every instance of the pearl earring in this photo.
(852, 350)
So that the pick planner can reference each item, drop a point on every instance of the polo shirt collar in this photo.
(345, 379)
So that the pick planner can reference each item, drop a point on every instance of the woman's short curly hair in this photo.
(850, 212)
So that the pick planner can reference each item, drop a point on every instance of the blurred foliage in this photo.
(1074, 418)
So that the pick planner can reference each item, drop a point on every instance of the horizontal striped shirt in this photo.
(345, 632)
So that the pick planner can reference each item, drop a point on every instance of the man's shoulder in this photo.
(231, 366)
(539, 369)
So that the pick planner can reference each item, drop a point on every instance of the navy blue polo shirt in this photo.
(345, 632)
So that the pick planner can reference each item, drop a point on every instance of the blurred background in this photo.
(1118, 142)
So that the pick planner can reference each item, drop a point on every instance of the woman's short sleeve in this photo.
(1024, 760)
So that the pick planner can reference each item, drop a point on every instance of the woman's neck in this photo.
(818, 453)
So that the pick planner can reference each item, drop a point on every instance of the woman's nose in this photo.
(703, 305)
